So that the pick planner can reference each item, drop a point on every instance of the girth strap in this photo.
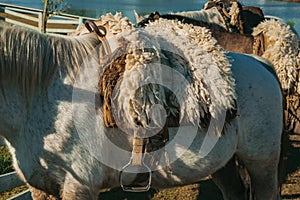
(138, 150)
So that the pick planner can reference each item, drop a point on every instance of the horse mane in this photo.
(29, 59)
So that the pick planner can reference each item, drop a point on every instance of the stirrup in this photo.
(134, 168)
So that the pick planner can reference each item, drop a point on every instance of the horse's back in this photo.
(259, 105)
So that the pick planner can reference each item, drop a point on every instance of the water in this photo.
(95, 8)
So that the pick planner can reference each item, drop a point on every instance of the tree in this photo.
(52, 7)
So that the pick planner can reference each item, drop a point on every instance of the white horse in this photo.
(62, 149)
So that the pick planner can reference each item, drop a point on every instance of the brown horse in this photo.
(231, 41)
(268, 37)
(236, 17)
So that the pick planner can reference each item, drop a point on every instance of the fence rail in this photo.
(32, 18)
(11, 180)
(26, 195)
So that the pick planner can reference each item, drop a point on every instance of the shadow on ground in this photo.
(207, 190)
(291, 186)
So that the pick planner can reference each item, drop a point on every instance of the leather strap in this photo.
(137, 150)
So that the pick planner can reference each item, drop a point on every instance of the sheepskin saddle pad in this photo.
(164, 72)
(281, 47)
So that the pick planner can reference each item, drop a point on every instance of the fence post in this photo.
(80, 20)
(40, 23)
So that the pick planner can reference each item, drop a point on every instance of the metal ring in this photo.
(102, 31)
(92, 27)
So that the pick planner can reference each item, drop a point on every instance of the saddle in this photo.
(112, 74)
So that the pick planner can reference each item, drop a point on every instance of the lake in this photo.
(94, 8)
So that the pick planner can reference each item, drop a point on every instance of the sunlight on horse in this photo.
(62, 153)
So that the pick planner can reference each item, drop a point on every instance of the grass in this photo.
(291, 23)
(13, 192)
(6, 167)
(5, 161)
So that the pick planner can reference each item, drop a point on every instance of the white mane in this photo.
(34, 58)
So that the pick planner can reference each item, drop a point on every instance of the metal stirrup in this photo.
(136, 165)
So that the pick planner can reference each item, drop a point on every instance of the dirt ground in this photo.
(291, 187)
(206, 191)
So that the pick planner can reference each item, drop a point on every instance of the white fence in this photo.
(32, 18)
(11, 180)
